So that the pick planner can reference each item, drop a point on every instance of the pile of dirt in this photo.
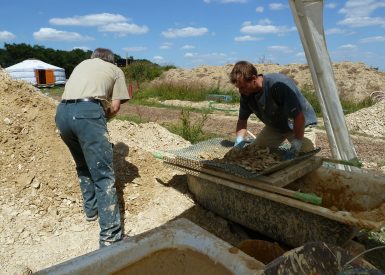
(35, 165)
(369, 121)
(355, 81)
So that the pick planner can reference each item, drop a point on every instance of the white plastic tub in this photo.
(178, 236)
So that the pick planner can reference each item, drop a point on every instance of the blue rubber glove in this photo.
(295, 148)
(239, 142)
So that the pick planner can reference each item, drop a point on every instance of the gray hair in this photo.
(104, 54)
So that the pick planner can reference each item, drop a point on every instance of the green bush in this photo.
(140, 71)
(191, 131)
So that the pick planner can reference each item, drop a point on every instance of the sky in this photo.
(190, 33)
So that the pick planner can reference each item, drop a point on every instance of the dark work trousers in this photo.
(83, 128)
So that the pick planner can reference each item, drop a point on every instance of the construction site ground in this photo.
(42, 222)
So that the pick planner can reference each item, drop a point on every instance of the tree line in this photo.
(137, 70)
(14, 53)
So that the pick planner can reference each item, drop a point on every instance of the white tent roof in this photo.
(26, 71)
(29, 64)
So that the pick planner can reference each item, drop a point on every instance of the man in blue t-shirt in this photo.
(276, 100)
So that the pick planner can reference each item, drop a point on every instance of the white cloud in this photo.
(331, 5)
(300, 57)
(259, 9)
(361, 8)
(6, 36)
(206, 58)
(281, 49)
(124, 28)
(89, 20)
(135, 49)
(158, 58)
(184, 32)
(373, 39)
(265, 29)
(265, 21)
(363, 21)
(166, 46)
(332, 31)
(347, 47)
(277, 6)
(45, 34)
(106, 22)
(358, 13)
(246, 38)
(189, 54)
(187, 47)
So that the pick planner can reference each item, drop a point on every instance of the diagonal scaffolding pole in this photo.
(308, 16)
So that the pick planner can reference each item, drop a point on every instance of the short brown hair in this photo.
(242, 70)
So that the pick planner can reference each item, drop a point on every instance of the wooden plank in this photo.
(293, 172)
(219, 175)
(279, 198)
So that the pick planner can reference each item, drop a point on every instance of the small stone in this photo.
(7, 121)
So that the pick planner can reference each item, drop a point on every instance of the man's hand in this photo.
(295, 148)
(239, 142)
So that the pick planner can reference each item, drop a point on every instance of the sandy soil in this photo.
(42, 222)
(354, 81)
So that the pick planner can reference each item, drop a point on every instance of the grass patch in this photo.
(381, 163)
(133, 118)
(53, 91)
(154, 102)
(181, 91)
(348, 106)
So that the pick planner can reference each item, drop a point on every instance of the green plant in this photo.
(313, 100)
(191, 131)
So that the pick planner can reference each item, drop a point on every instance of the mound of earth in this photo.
(355, 81)
(369, 121)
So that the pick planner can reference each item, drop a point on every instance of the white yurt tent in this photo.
(37, 72)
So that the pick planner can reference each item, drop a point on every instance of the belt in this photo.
(87, 99)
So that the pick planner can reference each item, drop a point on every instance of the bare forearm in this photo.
(241, 128)
(114, 108)
(299, 126)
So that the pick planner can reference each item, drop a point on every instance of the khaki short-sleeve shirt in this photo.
(98, 79)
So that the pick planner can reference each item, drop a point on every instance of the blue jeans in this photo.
(83, 128)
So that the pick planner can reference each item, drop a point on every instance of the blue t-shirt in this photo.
(277, 104)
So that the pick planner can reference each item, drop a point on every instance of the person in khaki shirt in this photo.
(93, 94)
